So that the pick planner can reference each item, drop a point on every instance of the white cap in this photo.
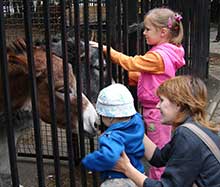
(115, 101)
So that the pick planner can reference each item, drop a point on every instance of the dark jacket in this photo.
(187, 160)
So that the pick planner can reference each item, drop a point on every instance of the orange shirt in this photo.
(150, 62)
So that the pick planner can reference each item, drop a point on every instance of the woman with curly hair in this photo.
(187, 159)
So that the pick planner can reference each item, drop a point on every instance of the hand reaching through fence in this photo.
(96, 45)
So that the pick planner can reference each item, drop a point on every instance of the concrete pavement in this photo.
(213, 83)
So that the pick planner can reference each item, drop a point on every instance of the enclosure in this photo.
(52, 135)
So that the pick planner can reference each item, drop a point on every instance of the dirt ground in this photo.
(27, 166)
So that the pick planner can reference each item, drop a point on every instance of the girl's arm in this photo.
(151, 62)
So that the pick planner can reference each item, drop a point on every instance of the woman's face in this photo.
(168, 110)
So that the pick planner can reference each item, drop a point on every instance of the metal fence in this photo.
(115, 23)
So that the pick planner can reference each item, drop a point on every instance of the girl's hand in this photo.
(122, 163)
(96, 45)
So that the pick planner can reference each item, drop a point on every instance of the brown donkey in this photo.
(20, 89)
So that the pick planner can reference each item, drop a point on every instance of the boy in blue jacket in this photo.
(125, 132)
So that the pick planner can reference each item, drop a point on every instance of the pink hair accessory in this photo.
(178, 17)
(170, 23)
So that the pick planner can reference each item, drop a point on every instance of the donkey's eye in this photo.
(62, 90)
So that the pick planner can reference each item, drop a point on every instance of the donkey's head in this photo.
(94, 64)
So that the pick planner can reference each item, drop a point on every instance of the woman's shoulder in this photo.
(190, 136)
(184, 131)
(181, 130)
(183, 144)
(186, 136)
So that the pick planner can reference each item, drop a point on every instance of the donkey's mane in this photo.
(19, 47)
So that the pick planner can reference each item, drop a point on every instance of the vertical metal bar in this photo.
(195, 42)
(35, 112)
(66, 94)
(99, 33)
(111, 35)
(208, 37)
(119, 37)
(86, 40)
(88, 76)
(142, 43)
(70, 3)
(125, 35)
(51, 94)
(100, 41)
(7, 101)
(79, 87)
(139, 35)
(187, 36)
(109, 10)
(204, 25)
(194, 37)
(147, 5)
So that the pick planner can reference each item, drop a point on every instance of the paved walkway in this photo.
(214, 74)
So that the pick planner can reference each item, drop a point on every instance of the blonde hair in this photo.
(190, 94)
(160, 18)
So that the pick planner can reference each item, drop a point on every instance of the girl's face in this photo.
(153, 35)
(168, 110)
